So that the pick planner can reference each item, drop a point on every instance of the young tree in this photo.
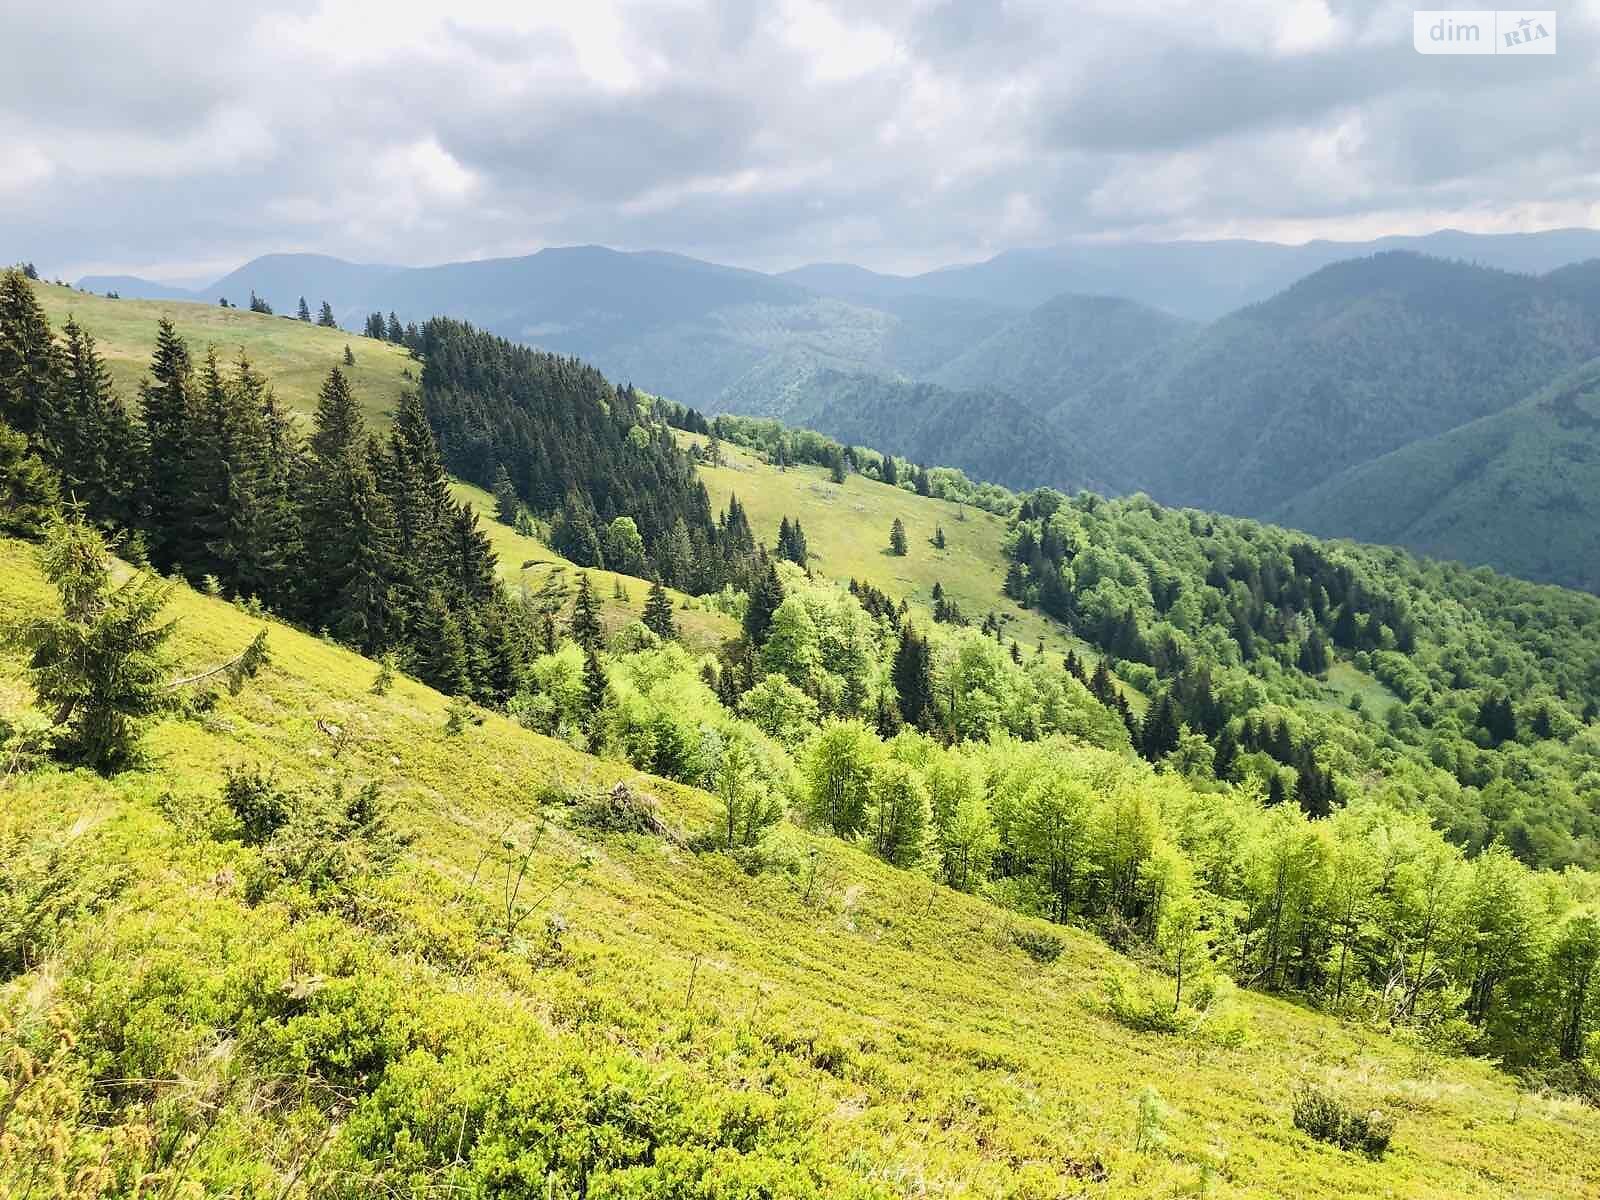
(899, 812)
(658, 616)
(748, 808)
(897, 538)
(938, 538)
(101, 666)
(30, 500)
(837, 768)
(349, 356)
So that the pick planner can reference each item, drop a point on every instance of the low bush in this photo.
(1328, 1118)
(1038, 945)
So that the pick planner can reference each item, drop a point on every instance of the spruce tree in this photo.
(595, 687)
(30, 376)
(305, 311)
(897, 537)
(100, 668)
(170, 418)
(96, 434)
(585, 626)
(30, 499)
(506, 502)
(890, 473)
(913, 678)
(938, 538)
(325, 317)
(375, 327)
(764, 600)
(393, 332)
(658, 616)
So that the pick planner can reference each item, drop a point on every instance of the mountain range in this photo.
(1356, 389)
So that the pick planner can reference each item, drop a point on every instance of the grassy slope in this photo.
(295, 356)
(847, 533)
(1519, 490)
(527, 564)
(961, 1067)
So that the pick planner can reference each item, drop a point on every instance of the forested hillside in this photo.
(1360, 359)
(415, 940)
(1519, 490)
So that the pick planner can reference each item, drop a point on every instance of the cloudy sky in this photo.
(178, 138)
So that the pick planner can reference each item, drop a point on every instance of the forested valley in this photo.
(1360, 780)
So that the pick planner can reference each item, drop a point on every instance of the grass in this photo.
(913, 1044)
(295, 356)
(847, 534)
(530, 566)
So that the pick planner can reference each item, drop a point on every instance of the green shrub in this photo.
(1038, 945)
(1327, 1118)
(260, 805)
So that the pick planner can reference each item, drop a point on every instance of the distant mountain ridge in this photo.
(1247, 377)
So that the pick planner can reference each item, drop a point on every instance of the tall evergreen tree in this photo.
(393, 332)
(30, 499)
(658, 616)
(325, 317)
(29, 363)
(913, 678)
(897, 537)
(96, 433)
(169, 413)
(506, 502)
(586, 627)
(764, 600)
(305, 311)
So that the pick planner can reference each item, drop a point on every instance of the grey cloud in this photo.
(194, 132)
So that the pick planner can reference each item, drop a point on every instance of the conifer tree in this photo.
(897, 537)
(169, 415)
(913, 678)
(585, 626)
(96, 433)
(258, 305)
(305, 311)
(325, 317)
(30, 376)
(375, 326)
(393, 332)
(658, 616)
(101, 666)
(890, 473)
(938, 538)
(442, 661)
(30, 498)
(764, 600)
(506, 502)
(349, 356)
(595, 687)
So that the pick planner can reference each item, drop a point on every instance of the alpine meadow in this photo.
(781, 600)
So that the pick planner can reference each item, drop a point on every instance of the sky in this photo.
(176, 139)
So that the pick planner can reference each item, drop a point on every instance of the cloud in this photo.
(900, 133)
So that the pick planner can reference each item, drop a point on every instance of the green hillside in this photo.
(662, 1021)
(847, 526)
(294, 355)
(1519, 490)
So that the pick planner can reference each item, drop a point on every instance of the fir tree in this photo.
(30, 500)
(913, 678)
(325, 317)
(897, 538)
(349, 356)
(392, 331)
(595, 687)
(836, 466)
(658, 617)
(304, 311)
(258, 305)
(101, 666)
(890, 473)
(938, 538)
(764, 600)
(585, 625)
(29, 364)
(506, 502)
(92, 450)
(168, 412)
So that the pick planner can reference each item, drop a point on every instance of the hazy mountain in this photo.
(1358, 360)
(1519, 490)
(1197, 279)
(134, 288)
(1062, 347)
